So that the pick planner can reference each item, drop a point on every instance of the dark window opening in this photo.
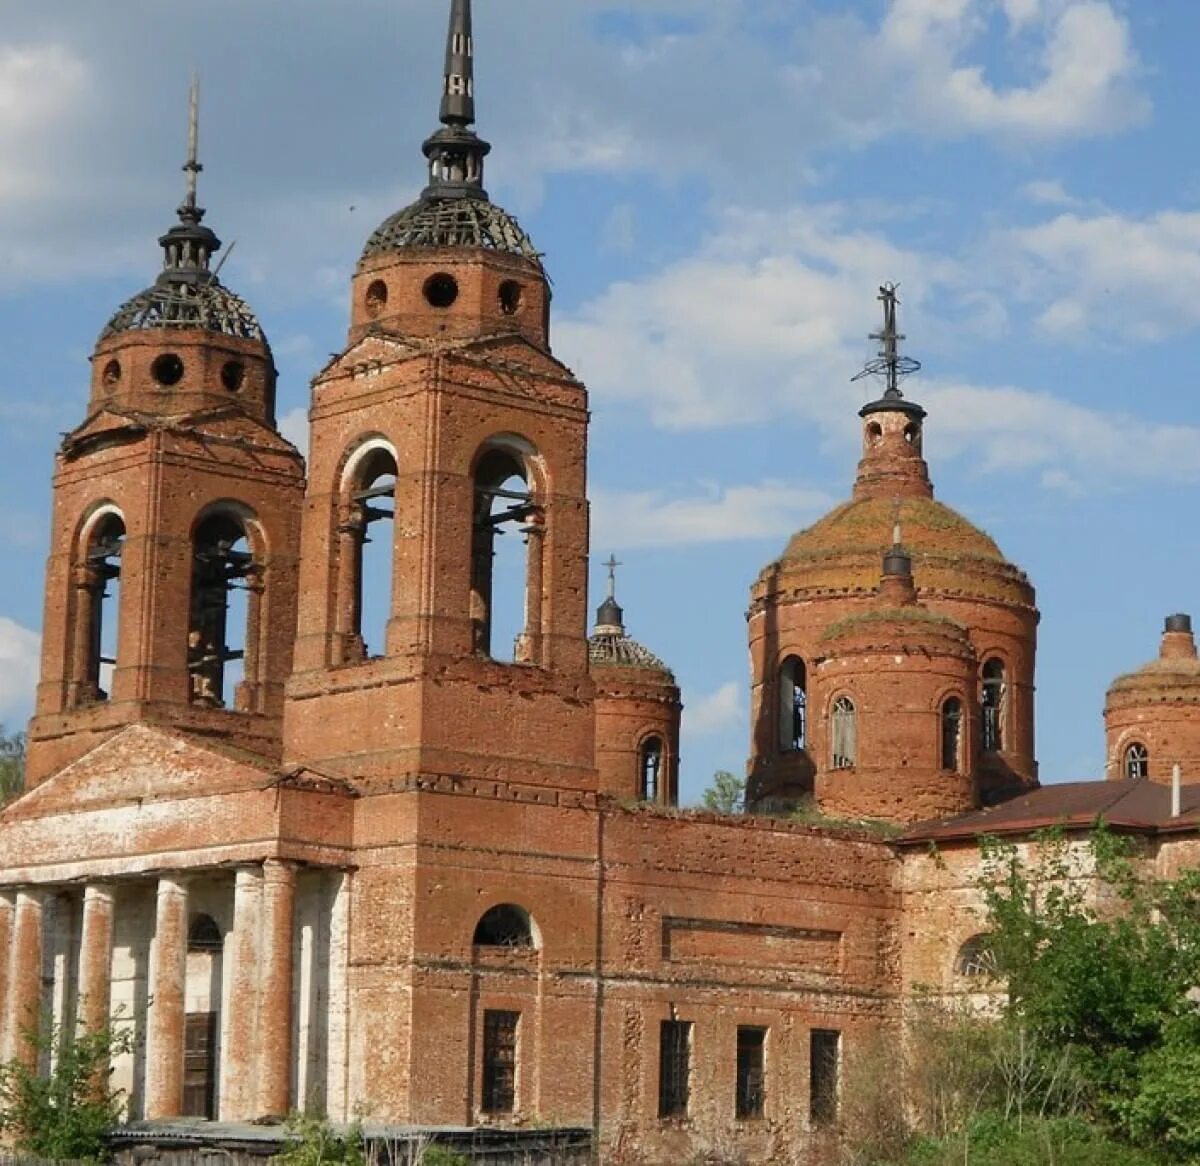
(99, 598)
(995, 698)
(793, 705)
(952, 711)
(226, 582)
(167, 369)
(510, 297)
(824, 1057)
(751, 1072)
(506, 558)
(377, 297)
(874, 433)
(1137, 761)
(674, 1067)
(366, 555)
(112, 374)
(504, 926)
(199, 1065)
(912, 434)
(975, 958)
(843, 734)
(233, 375)
(651, 767)
(204, 934)
(441, 290)
(500, 1061)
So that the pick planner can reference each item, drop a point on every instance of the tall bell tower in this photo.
(171, 584)
(444, 434)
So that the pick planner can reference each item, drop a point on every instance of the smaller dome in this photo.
(609, 649)
(452, 222)
(1173, 676)
(207, 305)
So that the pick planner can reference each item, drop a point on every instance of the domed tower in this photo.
(449, 446)
(171, 584)
(1152, 716)
(637, 711)
(892, 691)
(828, 573)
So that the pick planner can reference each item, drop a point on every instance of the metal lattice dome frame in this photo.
(452, 222)
(207, 305)
(622, 651)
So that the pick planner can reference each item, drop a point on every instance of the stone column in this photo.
(165, 1020)
(275, 1000)
(95, 957)
(238, 1076)
(6, 934)
(25, 977)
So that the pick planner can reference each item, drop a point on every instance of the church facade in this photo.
(397, 870)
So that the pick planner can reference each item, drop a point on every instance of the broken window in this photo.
(651, 767)
(952, 711)
(975, 958)
(98, 610)
(674, 1067)
(751, 1069)
(1137, 761)
(504, 926)
(366, 552)
(995, 699)
(500, 1061)
(793, 705)
(226, 589)
(844, 734)
(823, 1086)
(506, 558)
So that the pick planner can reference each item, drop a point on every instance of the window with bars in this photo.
(500, 1061)
(652, 757)
(995, 697)
(751, 1071)
(824, 1062)
(1137, 761)
(674, 1070)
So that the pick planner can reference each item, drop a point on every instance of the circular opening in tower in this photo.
(912, 433)
(441, 290)
(377, 297)
(233, 374)
(510, 297)
(112, 374)
(874, 433)
(167, 369)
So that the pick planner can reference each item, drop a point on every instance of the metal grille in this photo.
(675, 1046)
(500, 1061)
(751, 1092)
(824, 1049)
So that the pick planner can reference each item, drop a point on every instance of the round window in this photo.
(167, 369)
(510, 297)
(377, 297)
(441, 290)
(233, 374)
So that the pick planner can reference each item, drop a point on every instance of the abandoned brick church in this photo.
(411, 876)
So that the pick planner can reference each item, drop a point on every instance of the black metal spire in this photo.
(889, 364)
(610, 618)
(188, 247)
(456, 152)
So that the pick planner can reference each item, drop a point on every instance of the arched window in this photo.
(651, 762)
(952, 715)
(975, 958)
(225, 607)
(366, 553)
(1137, 761)
(504, 926)
(204, 934)
(843, 734)
(793, 705)
(995, 702)
(98, 587)
(506, 557)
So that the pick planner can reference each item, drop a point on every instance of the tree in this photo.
(12, 765)
(726, 794)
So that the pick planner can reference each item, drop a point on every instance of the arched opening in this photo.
(952, 716)
(204, 934)
(225, 607)
(1137, 761)
(506, 558)
(975, 959)
(843, 734)
(98, 609)
(504, 926)
(793, 705)
(995, 700)
(366, 554)
(650, 769)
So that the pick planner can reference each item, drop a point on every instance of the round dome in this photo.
(1162, 679)
(452, 222)
(206, 305)
(613, 650)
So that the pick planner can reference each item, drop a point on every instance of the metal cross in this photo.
(612, 566)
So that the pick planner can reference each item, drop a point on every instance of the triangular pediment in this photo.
(373, 352)
(510, 352)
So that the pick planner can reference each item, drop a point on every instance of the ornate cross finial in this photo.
(890, 364)
(192, 166)
(612, 566)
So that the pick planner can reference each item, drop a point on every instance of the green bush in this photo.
(314, 1142)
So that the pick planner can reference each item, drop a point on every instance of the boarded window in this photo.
(751, 1066)
(674, 1067)
(824, 1057)
(199, 1065)
(500, 1061)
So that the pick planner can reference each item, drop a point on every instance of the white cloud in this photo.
(294, 426)
(1049, 192)
(20, 654)
(714, 712)
(717, 514)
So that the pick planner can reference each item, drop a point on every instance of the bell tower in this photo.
(171, 584)
(447, 476)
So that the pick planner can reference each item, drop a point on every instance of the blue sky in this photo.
(719, 187)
